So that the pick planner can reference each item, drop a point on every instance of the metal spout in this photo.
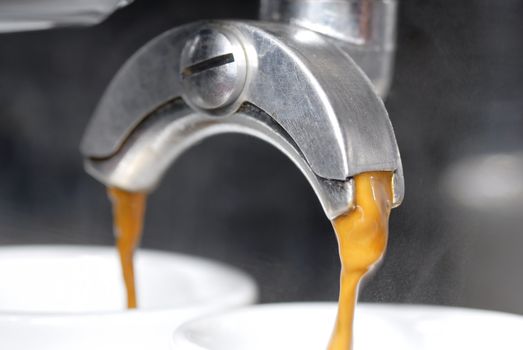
(17, 15)
(286, 85)
(364, 29)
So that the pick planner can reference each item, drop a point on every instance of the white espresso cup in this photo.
(73, 297)
(308, 326)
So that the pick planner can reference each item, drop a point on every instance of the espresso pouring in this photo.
(362, 235)
(128, 212)
(362, 239)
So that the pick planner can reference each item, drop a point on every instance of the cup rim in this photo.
(244, 291)
(185, 334)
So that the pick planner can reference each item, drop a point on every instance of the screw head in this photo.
(213, 68)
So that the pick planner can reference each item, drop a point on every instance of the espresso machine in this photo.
(312, 79)
(215, 77)
(219, 77)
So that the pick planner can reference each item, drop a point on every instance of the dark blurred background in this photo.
(456, 104)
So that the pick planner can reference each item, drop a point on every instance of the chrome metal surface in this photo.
(213, 69)
(302, 94)
(365, 29)
(155, 144)
(21, 15)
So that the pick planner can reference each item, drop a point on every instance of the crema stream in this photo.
(128, 213)
(362, 239)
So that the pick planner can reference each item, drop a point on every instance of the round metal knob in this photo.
(213, 69)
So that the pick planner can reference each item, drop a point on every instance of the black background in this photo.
(458, 90)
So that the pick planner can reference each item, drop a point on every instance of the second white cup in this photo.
(308, 326)
(72, 297)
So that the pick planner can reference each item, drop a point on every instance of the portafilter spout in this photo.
(287, 85)
(364, 29)
(24, 15)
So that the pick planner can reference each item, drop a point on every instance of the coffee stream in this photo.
(362, 239)
(128, 212)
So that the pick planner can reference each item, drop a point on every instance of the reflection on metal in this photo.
(22, 15)
(489, 182)
(303, 96)
(364, 29)
(213, 58)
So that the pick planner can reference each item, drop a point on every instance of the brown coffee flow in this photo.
(362, 240)
(128, 213)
